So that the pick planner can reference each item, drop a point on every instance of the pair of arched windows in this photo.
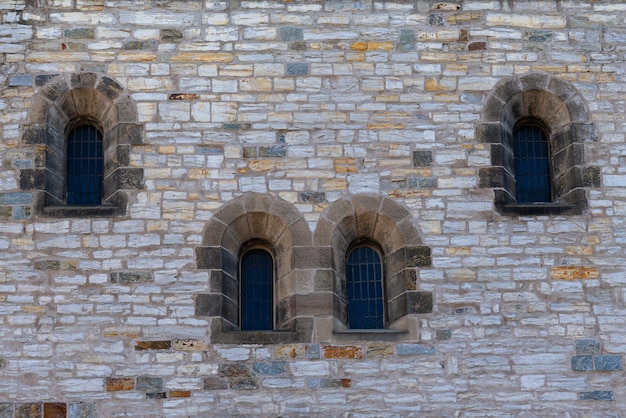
(364, 289)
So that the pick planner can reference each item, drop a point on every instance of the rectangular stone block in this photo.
(153, 345)
(215, 383)
(607, 362)
(350, 352)
(582, 363)
(270, 368)
(149, 384)
(587, 346)
(115, 384)
(22, 80)
(597, 395)
(414, 349)
(335, 383)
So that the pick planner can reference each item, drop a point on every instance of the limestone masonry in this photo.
(304, 130)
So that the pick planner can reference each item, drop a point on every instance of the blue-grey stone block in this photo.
(312, 383)
(597, 395)
(412, 349)
(587, 347)
(23, 164)
(582, 363)
(289, 33)
(149, 384)
(313, 352)
(271, 368)
(81, 410)
(297, 68)
(273, 151)
(21, 80)
(609, 362)
(16, 198)
(210, 150)
(21, 212)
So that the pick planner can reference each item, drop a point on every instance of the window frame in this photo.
(72, 130)
(538, 124)
(246, 250)
(382, 299)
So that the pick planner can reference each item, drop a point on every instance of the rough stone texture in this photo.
(309, 127)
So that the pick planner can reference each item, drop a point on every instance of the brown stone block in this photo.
(381, 349)
(116, 384)
(189, 345)
(573, 273)
(184, 96)
(54, 410)
(348, 352)
(153, 345)
(312, 257)
(180, 394)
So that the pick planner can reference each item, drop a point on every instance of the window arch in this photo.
(364, 288)
(84, 166)
(257, 290)
(66, 107)
(532, 164)
(555, 109)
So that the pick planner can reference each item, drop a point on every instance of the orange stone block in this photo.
(348, 352)
(54, 410)
(372, 46)
(180, 394)
(116, 384)
(573, 273)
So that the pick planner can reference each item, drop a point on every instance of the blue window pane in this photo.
(257, 274)
(532, 165)
(364, 289)
(84, 166)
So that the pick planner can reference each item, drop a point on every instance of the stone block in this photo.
(422, 158)
(582, 363)
(346, 352)
(607, 362)
(597, 395)
(328, 383)
(131, 277)
(443, 334)
(22, 80)
(179, 394)
(215, 383)
(149, 384)
(414, 349)
(115, 384)
(313, 351)
(290, 33)
(28, 410)
(297, 68)
(587, 346)
(156, 395)
(153, 345)
(270, 368)
(244, 384)
(419, 302)
(81, 410)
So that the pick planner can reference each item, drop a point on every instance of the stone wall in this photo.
(310, 125)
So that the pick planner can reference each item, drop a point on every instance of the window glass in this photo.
(364, 289)
(532, 165)
(257, 273)
(84, 166)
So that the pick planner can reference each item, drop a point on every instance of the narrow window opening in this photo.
(364, 287)
(532, 165)
(257, 274)
(84, 166)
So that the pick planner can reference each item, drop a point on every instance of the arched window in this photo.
(364, 289)
(532, 165)
(257, 300)
(84, 166)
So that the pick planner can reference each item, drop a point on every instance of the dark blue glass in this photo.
(84, 166)
(532, 165)
(364, 287)
(257, 276)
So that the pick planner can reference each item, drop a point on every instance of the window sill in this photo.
(102, 211)
(388, 335)
(524, 209)
(255, 337)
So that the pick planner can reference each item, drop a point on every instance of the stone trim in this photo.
(254, 217)
(389, 226)
(557, 106)
(64, 101)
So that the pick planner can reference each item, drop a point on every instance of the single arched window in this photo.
(84, 166)
(257, 293)
(364, 289)
(532, 165)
